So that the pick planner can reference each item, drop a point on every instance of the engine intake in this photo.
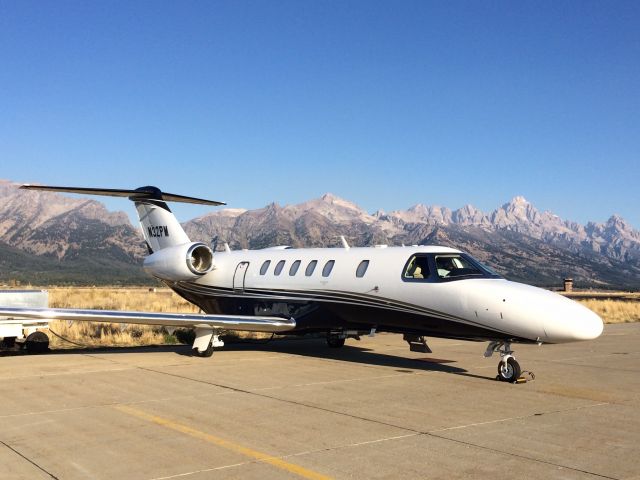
(180, 262)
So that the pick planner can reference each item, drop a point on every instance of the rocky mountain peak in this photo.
(333, 208)
(335, 201)
(469, 215)
(231, 212)
(421, 213)
(617, 230)
(619, 224)
(519, 200)
(330, 198)
(515, 213)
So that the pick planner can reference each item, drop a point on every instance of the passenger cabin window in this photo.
(362, 268)
(310, 268)
(265, 267)
(326, 271)
(417, 268)
(455, 265)
(279, 267)
(294, 268)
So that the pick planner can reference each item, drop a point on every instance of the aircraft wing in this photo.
(226, 322)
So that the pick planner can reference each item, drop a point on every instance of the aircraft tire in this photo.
(509, 371)
(207, 353)
(37, 342)
(335, 342)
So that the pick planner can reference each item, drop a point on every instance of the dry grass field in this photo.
(614, 311)
(164, 300)
(112, 334)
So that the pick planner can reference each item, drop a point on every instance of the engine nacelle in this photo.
(180, 262)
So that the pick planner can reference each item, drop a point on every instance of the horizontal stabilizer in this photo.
(142, 193)
(226, 322)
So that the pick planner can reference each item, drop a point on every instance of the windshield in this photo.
(455, 265)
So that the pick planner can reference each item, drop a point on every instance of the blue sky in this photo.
(386, 104)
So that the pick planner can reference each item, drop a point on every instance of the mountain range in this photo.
(46, 237)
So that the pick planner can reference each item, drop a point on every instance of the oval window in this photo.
(265, 267)
(279, 267)
(326, 271)
(294, 268)
(310, 268)
(362, 268)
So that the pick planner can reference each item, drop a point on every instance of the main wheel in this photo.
(334, 341)
(509, 371)
(207, 353)
(37, 342)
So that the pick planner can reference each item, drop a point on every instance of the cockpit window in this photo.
(417, 268)
(455, 265)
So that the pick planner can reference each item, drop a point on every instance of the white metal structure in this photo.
(418, 291)
(26, 332)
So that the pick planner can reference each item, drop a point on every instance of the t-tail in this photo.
(159, 225)
(172, 255)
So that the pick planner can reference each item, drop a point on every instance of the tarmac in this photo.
(298, 409)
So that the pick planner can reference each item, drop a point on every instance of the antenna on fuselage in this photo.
(345, 245)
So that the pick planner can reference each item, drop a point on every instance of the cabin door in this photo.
(239, 275)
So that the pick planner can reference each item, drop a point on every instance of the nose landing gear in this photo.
(508, 369)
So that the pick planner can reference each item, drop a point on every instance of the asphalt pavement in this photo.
(298, 409)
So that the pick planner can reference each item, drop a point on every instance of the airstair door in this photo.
(239, 275)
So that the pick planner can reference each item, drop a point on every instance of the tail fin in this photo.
(160, 227)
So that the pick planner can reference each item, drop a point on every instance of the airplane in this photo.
(417, 291)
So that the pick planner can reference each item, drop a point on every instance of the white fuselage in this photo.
(476, 308)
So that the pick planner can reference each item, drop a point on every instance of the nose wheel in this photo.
(508, 369)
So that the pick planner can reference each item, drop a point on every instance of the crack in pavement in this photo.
(28, 460)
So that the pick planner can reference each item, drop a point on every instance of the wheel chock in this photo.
(525, 377)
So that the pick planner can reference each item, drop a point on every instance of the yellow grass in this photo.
(614, 311)
(159, 300)
(114, 334)
(107, 334)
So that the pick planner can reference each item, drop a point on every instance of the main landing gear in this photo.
(336, 338)
(508, 369)
(206, 340)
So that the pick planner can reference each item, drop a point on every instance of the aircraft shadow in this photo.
(353, 353)
(305, 347)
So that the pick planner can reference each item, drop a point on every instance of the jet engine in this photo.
(180, 262)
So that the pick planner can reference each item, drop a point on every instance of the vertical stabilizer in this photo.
(160, 227)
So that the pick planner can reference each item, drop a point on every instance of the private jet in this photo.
(417, 291)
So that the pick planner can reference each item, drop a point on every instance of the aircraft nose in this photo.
(572, 322)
